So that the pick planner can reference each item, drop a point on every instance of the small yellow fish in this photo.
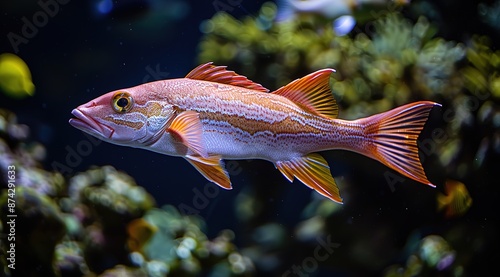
(457, 200)
(139, 233)
(15, 77)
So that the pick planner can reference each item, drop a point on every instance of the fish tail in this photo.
(393, 135)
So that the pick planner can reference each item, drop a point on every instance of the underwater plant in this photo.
(431, 255)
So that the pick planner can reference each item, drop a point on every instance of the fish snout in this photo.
(88, 124)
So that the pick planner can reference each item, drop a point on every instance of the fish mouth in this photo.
(87, 124)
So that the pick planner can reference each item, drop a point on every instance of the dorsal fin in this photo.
(313, 93)
(219, 74)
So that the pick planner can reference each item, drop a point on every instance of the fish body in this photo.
(457, 200)
(251, 124)
(214, 114)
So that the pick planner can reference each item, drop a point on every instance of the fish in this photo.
(15, 77)
(139, 233)
(214, 114)
(457, 200)
(344, 13)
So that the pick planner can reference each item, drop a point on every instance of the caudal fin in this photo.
(394, 137)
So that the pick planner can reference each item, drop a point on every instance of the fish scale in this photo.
(214, 114)
(248, 116)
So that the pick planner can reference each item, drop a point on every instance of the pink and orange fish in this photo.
(214, 114)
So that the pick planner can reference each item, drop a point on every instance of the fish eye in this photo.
(122, 102)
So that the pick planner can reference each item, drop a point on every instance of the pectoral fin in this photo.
(187, 128)
(212, 169)
(314, 172)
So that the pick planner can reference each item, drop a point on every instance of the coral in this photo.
(433, 254)
(102, 201)
(190, 249)
(69, 259)
(109, 194)
(38, 228)
(26, 156)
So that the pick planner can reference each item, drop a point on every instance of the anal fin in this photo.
(314, 172)
(212, 169)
